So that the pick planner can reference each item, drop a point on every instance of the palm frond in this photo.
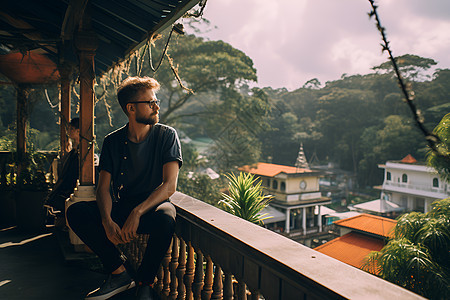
(246, 198)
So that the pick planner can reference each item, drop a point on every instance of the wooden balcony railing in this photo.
(215, 255)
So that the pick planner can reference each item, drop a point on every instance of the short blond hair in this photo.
(130, 87)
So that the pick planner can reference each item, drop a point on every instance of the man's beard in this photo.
(151, 120)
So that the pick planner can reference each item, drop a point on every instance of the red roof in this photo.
(408, 159)
(271, 170)
(369, 223)
(351, 248)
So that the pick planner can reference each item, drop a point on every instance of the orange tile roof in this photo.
(351, 248)
(369, 223)
(271, 170)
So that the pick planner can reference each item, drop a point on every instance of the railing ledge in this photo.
(289, 267)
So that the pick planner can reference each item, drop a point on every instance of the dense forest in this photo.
(356, 121)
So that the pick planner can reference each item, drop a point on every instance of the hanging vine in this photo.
(432, 139)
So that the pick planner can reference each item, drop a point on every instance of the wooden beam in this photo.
(21, 127)
(86, 42)
(20, 24)
(65, 72)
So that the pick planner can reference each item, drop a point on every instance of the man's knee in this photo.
(166, 209)
(167, 222)
(165, 217)
(77, 213)
(161, 222)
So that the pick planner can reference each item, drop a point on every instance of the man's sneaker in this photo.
(113, 285)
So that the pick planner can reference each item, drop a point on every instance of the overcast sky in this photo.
(292, 41)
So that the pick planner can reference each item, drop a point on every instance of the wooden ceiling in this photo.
(37, 35)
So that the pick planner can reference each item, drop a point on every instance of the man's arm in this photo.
(104, 203)
(163, 192)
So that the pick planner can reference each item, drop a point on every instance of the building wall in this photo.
(420, 177)
(289, 188)
(293, 184)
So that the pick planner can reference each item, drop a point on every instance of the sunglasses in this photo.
(150, 103)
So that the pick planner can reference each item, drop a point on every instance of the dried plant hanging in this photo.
(149, 43)
(74, 91)
(177, 76)
(432, 139)
(52, 106)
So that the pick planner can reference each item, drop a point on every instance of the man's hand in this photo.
(113, 232)
(130, 227)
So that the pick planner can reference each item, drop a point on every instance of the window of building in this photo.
(404, 178)
(275, 184)
(388, 176)
(435, 182)
(283, 186)
(268, 182)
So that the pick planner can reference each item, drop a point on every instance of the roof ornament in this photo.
(408, 159)
(301, 162)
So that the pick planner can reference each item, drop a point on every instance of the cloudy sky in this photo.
(292, 41)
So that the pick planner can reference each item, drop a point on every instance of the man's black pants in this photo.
(85, 220)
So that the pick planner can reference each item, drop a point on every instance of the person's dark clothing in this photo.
(136, 168)
(67, 181)
(85, 220)
(136, 171)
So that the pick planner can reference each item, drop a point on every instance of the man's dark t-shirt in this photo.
(137, 168)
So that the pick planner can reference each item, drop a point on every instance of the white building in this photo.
(412, 185)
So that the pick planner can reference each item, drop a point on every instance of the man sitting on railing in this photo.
(68, 173)
(139, 166)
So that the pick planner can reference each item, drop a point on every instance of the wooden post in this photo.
(189, 274)
(197, 286)
(255, 295)
(21, 127)
(181, 270)
(64, 109)
(166, 278)
(173, 269)
(86, 43)
(159, 282)
(218, 284)
(228, 287)
(242, 290)
(208, 280)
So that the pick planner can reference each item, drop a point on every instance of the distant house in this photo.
(360, 235)
(411, 185)
(296, 195)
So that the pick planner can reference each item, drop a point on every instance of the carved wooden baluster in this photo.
(166, 278)
(181, 270)
(189, 275)
(198, 277)
(217, 285)
(255, 295)
(228, 287)
(208, 282)
(173, 269)
(159, 276)
(242, 293)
